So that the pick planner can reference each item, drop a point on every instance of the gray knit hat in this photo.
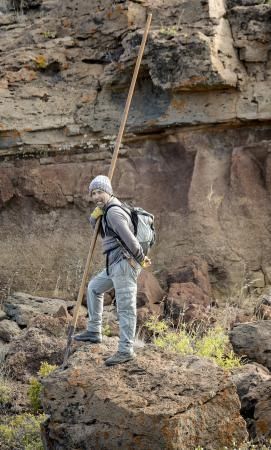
(101, 182)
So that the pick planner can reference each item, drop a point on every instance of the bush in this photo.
(5, 392)
(106, 330)
(213, 344)
(21, 432)
(35, 387)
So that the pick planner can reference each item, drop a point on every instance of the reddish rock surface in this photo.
(156, 401)
(149, 296)
(196, 152)
(188, 297)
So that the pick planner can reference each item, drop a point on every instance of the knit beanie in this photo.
(101, 182)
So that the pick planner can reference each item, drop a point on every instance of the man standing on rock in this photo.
(121, 271)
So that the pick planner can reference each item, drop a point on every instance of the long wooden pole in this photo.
(72, 325)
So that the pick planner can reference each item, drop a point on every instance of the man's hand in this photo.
(96, 213)
(146, 262)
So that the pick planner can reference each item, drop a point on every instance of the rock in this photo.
(233, 3)
(9, 330)
(149, 296)
(251, 31)
(263, 308)
(256, 280)
(258, 401)
(109, 297)
(62, 312)
(252, 340)
(189, 290)
(156, 401)
(43, 340)
(194, 270)
(2, 315)
(4, 347)
(254, 389)
(20, 5)
(202, 101)
(186, 302)
(249, 376)
(23, 307)
(82, 309)
(264, 312)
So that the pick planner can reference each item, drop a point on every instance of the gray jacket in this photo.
(121, 224)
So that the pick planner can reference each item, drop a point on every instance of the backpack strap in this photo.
(114, 234)
(131, 214)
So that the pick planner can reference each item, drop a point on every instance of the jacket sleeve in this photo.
(119, 221)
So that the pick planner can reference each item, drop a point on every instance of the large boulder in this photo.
(149, 296)
(22, 307)
(156, 401)
(43, 340)
(8, 330)
(189, 292)
(263, 308)
(252, 340)
(253, 384)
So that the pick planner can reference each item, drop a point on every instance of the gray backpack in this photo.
(143, 223)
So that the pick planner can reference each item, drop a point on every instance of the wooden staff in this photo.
(73, 322)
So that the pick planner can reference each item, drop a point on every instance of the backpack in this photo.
(143, 223)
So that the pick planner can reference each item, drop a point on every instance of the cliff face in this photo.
(196, 151)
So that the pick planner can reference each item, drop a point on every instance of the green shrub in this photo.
(213, 344)
(46, 369)
(35, 387)
(5, 392)
(106, 330)
(41, 62)
(21, 432)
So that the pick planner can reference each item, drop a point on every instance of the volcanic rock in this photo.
(156, 401)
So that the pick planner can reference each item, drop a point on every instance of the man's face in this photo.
(100, 198)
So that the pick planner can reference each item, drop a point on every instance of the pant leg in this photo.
(100, 284)
(124, 279)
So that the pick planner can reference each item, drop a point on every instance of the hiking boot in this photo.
(119, 358)
(89, 336)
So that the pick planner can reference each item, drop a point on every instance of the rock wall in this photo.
(196, 150)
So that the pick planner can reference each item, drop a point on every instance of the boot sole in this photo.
(88, 340)
(119, 362)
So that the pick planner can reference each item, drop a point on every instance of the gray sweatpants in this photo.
(123, 278)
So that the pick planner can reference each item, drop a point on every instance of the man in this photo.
(124, 263)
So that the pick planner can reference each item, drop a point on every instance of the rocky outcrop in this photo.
(8, 330)
(157, 401)
(44, 340)
(252, 340)
(254, 389)
(149, 297)
(189, 292)
(196, 152)
(263, 308)
(22, 308)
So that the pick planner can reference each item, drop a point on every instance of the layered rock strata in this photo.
(197, 146)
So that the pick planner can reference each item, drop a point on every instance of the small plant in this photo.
(169, 31)
(35, 387)
(46, 369)
(49, 34)
(21, 432)
(214, 344)
(107, 330)
(5, 392)
(41, 61)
